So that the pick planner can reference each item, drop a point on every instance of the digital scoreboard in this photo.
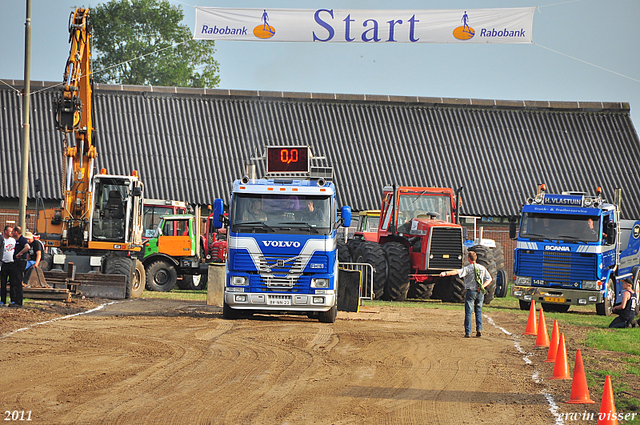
(288, 159)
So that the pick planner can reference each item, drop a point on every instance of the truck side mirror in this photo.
(512, 228)
(345, 213)
(611, 233)
(346, 216)
(218, 211)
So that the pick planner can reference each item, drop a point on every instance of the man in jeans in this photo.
(8, 248)
(476, 279)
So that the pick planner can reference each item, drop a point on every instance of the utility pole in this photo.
(26, 128)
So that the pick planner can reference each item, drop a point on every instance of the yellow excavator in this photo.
(98, 226)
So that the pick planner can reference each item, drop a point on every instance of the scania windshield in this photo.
(300, 214)
(553, 227)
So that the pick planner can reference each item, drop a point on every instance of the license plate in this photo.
(279, 302)
(554, 299)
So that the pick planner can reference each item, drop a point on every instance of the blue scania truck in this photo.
(574, 249)
(282, 238)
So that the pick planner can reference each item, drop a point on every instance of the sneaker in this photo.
(15, 305)
(467, 336)
(478, 334)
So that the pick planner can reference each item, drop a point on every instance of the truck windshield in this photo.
(412, 206)
(152, 214)
(568, 228)
(281, 213)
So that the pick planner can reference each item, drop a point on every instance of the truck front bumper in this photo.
(557, 295)
(280, 301)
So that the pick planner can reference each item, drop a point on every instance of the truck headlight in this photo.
(523, 280)
(239, 281)
(590, 284)
(319, 283)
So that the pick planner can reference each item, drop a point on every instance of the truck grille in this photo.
(561, 267)
(445, 248)
(279, 283)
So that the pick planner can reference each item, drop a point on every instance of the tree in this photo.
(141, 42)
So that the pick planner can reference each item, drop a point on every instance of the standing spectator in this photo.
(19, 264)
(476, 279)
(8, 248)
(627, 308)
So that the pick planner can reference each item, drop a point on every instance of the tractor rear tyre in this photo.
(123, 266)
(421, 290)
(398, 268)
(372, 253)
(451, 290)
(352, 245)
(343, 251)
(485, 259)
(161, 276)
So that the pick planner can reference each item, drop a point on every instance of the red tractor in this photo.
(418, 237)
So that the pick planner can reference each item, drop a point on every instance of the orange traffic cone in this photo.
(542, 340)
(553, 346)
(607, 415)
(561, 368)
(532, 326)
(579, 388)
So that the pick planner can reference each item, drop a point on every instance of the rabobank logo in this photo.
(264, 30)
(464, 32)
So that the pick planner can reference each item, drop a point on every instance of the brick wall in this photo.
(11, 217)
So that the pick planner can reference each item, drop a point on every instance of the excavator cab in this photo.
(115, 216)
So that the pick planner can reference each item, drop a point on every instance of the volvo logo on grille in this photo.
(280, 263)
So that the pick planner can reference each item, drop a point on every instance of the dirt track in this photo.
(177, 362)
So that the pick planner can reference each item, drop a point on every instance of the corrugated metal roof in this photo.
(190, 144)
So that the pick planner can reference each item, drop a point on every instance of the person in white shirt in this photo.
(7, 251)
(476, 279)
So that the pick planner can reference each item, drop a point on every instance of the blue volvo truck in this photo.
(282, 238)
(574, 249)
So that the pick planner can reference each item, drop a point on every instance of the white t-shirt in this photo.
(469, 275)
(9, 247)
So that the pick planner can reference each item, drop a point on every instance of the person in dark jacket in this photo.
(19, 265)
(627, 308)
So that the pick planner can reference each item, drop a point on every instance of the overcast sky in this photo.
(601, 36)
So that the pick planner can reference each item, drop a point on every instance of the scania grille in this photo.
(445, 248)
(561, 267)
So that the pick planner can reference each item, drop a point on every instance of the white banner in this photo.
(511, 25)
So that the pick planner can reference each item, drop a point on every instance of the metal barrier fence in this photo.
(366, 278)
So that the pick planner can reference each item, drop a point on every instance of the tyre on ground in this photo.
(398, 268)
(194, 282)
(372, 253)
(161, 276)
(605, 308)
(485, 258)
(352, 245)
(343, 251)
(139, 280)
(328, 316)
(124, 266)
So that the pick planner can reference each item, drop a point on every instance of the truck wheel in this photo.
(123, 266)
(328, 316)
(228, 313)
(605, 308)
(524, 305)
(372, 253)
(195, 282)
(398, 268)
(139, 280)
(161, 276)
(343, 252)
